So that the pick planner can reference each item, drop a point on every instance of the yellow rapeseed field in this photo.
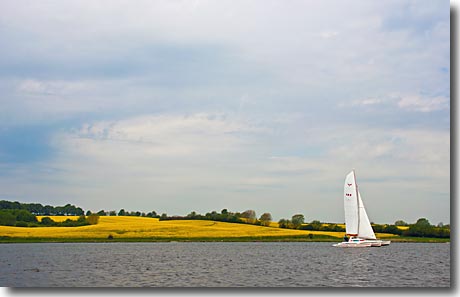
(144, 228)
(58, 218)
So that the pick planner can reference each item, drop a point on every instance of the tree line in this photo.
(123, 212)
(421, 228)
(24, 218)
(245, 217)
(43, 210)
(25, 215)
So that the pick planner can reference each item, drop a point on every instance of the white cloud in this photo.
(53, 87)
(423, 103)
(409, 102)
(33, 86)
(329, 34)
(368, 101)
(164, 135)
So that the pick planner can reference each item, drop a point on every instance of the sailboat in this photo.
(359, 232)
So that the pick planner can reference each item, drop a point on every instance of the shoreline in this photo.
(208, 239)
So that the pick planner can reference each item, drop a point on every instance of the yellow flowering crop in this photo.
(145, 228)
(141, 227)
(58, 218)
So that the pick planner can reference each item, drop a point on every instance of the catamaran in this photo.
(359, 232)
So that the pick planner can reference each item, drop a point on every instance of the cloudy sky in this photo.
(180, 106)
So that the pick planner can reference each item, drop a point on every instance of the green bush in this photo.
(21, 224)
(7, 218)
(47, 221)
(25, 216)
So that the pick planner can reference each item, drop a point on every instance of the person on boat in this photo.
(345, 238)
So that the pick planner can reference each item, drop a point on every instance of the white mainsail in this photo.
(351, 205)
(356, 220)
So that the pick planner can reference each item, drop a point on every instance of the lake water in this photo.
(219, 264)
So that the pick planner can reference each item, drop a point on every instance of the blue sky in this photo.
(180, 106)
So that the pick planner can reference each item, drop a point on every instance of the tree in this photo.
(250, 216)
(400, 223)
(48, 210)
(79, 211)
(25, 216)
(378, 228)
(112, 213)
(122, 212)
(152, 214)
(392, 229)
(422, 222)
(422, 228)
(59, 210)
(316, 225)
(191, 215)
(68, 209)
(7, 218)
(297, 220)
(21, 224)
(47, 221)
(34, 208)
(265, 219)
(284, 223)
(101, 212)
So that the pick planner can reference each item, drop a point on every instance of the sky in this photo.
(180, 106)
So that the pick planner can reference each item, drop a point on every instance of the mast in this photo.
(357, 197)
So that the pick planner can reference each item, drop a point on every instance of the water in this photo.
(219, 264)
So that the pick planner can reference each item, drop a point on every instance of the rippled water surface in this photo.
(212, 264)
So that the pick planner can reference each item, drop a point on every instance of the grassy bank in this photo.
(140, 229)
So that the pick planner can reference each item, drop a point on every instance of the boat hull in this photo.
(352, 245)
(379, 243)
(358, 243)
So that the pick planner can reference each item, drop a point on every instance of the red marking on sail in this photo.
(350, 185)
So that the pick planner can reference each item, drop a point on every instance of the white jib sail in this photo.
(365, 229)
(351, 204)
